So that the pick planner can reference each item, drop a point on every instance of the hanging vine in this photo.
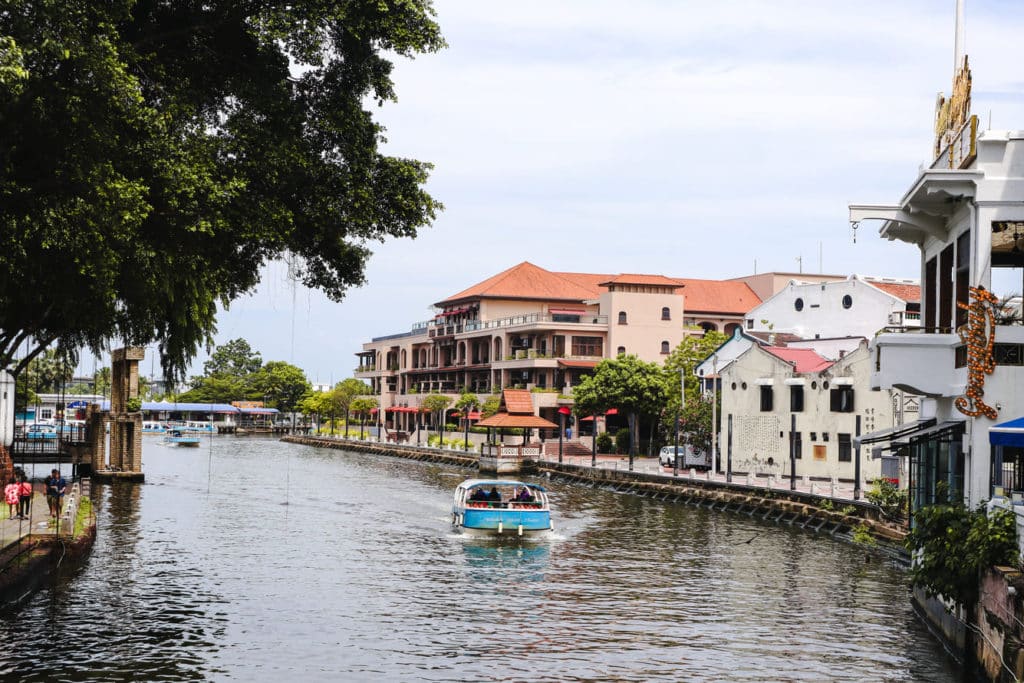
(979, 335)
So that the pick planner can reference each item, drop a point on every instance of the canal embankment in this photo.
(853, 521)
(33, 550)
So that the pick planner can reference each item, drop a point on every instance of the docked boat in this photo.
(197, 427)
(175, 437)
(153, 427)
(501, 507)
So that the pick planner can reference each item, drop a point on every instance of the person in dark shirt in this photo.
(478, 494)
(525, 495)
(55, 489)
(494, 496)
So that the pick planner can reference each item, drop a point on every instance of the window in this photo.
(587, 346)
(845, 449)
(847, 301)
(622, 317)
(841, 400)
(766, 399)
(796, 399)
(621, 351)
(666, 314)
(820, 452)
(664, 347)
(798, 446)
(798, 304)
(750, 323)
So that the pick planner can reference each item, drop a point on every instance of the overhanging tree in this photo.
(155, 156)
(628, 384)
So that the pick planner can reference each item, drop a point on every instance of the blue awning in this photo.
(1007, 433)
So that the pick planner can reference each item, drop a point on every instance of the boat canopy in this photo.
(476, 483)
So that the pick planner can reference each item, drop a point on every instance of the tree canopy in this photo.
(627, 384)
(156, 155)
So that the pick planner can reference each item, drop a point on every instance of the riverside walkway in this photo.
(840, 491)
(38, 522)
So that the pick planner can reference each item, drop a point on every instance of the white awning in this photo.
(795, 381)
(764, 381)
(842, 381)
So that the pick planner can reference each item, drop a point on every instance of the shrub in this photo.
(133, 405)
(622, 440)
(604, 442)
(890, 499)
(862, 535)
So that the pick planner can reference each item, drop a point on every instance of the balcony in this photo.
(535, 319)
(917, 362)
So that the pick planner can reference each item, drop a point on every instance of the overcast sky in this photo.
(683, 138)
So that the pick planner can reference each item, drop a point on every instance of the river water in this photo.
(250, 559)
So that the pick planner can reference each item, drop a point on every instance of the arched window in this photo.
(847, 301)
(621, 351)
(664, 347)
(709, 327)
(622, 317)
(731, 328)
(405, 359)
(666, 313)
(798, 304)
(497, 348)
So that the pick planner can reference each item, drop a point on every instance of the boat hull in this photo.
(489, 521)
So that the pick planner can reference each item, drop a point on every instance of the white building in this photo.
(965, 212)
(854, 307)
(767, 390)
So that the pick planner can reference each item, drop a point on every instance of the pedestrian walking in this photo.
(12, 494)
(55, 488)
(25, 496)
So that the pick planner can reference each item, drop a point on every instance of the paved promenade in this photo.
(38, 522)
(839, 491)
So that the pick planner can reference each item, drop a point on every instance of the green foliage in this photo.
(622, 440)
(862, 536)
(490, 406)
(467, 402)
(235, 358)
(155, 156)
(133, 405)
(849, 510)
(604, 442)
(690, 353)
(888, 497)
(826, 504)
(952, 545)
(626, 383)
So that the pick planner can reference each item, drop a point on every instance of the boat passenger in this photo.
(478, 494)
(494, 496)
(525, 495)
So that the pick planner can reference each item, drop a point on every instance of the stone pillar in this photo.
(125, 426)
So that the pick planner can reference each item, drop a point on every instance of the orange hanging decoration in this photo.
(980, 336)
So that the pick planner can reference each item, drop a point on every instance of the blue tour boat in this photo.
(175, 437)
(518, 509)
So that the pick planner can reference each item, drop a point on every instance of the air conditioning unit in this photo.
(895, 318)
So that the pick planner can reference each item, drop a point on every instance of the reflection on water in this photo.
(248, 559)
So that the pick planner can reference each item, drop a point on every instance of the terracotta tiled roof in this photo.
(517, 401)
(639, 279)
(590, 281)
(908, 293)
(524, 281)
(506, 420)
(717, 296)
(803, 360)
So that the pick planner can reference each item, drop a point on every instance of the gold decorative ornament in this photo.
(980, 336)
